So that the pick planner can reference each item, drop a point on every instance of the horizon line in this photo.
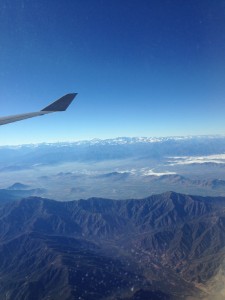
(117, 138)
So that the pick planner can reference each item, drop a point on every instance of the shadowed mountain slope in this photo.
(167, 246)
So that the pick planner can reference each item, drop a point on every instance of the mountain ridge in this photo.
(163, 242)
(118, 140)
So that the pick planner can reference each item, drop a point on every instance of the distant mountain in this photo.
(12, 194)
(21, 157)
(214, 183)
(171, 178)
(165, 246)
(185, 181)
(115, 175)
(18, 186)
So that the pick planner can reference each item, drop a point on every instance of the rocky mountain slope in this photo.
(166, 246)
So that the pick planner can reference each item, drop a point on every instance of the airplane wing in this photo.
(59, 105)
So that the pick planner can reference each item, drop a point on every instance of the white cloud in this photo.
(187, 160)
(151, 172)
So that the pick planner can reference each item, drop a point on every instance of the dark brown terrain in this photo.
(166, 246)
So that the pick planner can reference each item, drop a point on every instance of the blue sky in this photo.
(141, 68)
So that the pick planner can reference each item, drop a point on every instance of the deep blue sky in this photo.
(141, 68)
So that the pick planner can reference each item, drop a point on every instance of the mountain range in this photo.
(119, 168)
(166, 246)
(118, 148)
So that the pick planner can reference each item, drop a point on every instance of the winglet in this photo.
(60, 104)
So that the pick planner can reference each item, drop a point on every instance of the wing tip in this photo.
(61, 104)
